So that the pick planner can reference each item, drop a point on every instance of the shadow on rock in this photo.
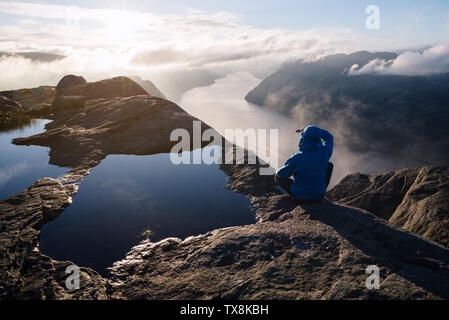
(421, 262)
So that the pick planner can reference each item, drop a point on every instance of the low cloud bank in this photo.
(175, 51)
(434, 60)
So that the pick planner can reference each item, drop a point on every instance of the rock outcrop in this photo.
(82, 137)
(110, 88)
(8, 105)
(414, 199)
(70, 81)
(25, 273)
(68, 102)
(32, 99)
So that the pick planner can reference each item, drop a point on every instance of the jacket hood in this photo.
(310, 138)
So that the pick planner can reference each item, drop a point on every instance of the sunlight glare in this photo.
(122, 25)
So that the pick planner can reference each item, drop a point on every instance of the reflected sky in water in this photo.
(125, 195)
(21, 166)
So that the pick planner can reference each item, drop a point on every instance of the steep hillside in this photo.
(149, 87)
(392, 116)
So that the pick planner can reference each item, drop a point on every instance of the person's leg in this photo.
(330, 168)
(285, 183)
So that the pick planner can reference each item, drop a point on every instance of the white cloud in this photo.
(433, 60)
(8, 173)
(101, 43)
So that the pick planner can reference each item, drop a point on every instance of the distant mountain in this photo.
(35, 56)
(403, 116)
(149, 87)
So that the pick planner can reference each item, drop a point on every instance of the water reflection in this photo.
(125, 195)
(21, 166)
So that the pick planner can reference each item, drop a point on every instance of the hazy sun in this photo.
(121, 25)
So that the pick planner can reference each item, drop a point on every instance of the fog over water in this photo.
(222, 106)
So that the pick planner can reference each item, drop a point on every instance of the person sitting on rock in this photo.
(310, 167)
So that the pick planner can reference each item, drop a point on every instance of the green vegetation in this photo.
(13, 120)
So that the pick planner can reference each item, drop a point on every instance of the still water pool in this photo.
(126, 195)
(21, 166)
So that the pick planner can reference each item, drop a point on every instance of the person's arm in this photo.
(287, 170)
(328, 139)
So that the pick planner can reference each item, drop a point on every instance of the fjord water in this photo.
(125, 195)
(21, 166)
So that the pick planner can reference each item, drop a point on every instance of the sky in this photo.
(423, 22)
(201, 40)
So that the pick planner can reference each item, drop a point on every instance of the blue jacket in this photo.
(309, 165)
